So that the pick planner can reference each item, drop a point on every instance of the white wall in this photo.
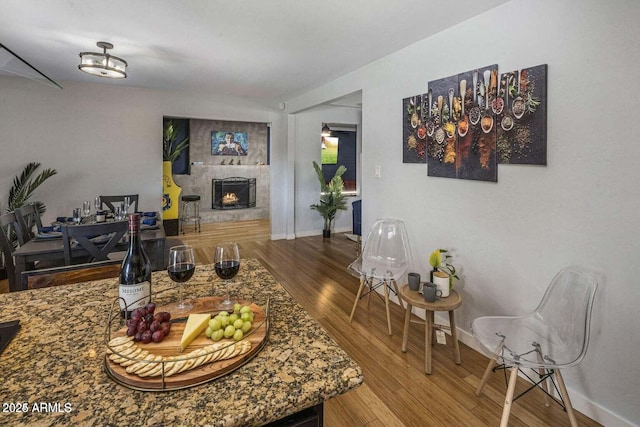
(308, 125)
(511, 237)
(106, 139)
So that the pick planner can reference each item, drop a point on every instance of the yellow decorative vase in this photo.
(170, 200)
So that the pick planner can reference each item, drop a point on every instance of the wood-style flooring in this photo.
(396, 391)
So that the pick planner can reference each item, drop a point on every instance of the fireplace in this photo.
(233, 193)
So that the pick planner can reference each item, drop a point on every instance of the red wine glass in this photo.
(181, 267)
(226, 264)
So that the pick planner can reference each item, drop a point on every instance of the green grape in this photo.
(245, 309)
(217, 335)
(246, 327)
(208, 332)
(215, 324)
(223, 313)
(238, 324)
(236, 307)
(246, 316)
(224, 321)
(229, 331)
(233, 318)
(237, 336)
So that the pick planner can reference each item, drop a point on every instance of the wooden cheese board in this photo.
(168, 353)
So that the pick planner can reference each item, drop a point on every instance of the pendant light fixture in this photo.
(103, 64)
(325, 131)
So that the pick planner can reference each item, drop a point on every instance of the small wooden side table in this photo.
(450, 303)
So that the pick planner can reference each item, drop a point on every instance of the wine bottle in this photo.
(135, 273)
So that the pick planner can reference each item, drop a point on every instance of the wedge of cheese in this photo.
(196, 323)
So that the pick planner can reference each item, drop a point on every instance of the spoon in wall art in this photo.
(463, 125)
(430, 125)
(487, 119)
(474, 113)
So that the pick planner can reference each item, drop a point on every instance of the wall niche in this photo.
(206, 167)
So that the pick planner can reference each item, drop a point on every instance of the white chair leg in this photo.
(566, 400)
(355, 303)
(492, 363)
(508, 399)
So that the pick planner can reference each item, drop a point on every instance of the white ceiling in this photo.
(266, 49)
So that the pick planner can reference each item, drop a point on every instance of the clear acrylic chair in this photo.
(386, 256)
(554, 336)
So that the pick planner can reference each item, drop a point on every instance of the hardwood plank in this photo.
(396, 391)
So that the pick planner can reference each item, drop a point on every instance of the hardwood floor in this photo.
(396, 391)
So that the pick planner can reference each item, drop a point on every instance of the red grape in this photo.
(146, 337)
(151, 307)
(131, 331)
(155, 325)
(142, 326)
(157, 336)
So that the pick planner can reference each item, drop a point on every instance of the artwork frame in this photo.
(228, 143)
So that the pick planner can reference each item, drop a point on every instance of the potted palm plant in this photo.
(21, 191)
(331, 197)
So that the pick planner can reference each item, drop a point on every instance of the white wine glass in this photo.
(226, 263)
(180, 269)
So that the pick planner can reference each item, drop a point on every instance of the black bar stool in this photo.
(190, 211)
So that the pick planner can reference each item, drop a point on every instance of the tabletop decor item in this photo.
(331, 197)
(440, 260)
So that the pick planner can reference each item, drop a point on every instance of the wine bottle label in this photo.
(134, 296)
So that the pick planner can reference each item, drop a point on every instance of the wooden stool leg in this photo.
(355, 303)
(386, 303)
(454, 337)
(565, 399)
(492, 363)
(432, 315)
(428, 334)
(508, 399)
(405, 331)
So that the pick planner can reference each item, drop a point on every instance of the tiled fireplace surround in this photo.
(207, 167)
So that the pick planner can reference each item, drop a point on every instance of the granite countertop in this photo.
(52, 373)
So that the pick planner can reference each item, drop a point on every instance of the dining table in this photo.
(44, 247)
(54, 370)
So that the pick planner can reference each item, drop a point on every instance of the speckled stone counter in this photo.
(52, 373)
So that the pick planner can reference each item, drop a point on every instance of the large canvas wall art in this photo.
(468, 123)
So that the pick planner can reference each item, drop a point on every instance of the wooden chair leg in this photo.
(565, 399)
(492, 363)
(542, 372)
(355, 303)
(395, 286)
(428, 340)
(508, 399)
(386, 303)
(454, 337)
(405, 331)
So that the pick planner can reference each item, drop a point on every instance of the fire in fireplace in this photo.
(233, 193)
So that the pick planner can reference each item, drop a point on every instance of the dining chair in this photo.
(27, 217)
(99, 240)
(386, 256)
(7, 222)
(69, 274)
(109, 201)
(554, 336)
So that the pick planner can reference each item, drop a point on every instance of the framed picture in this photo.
(224, 143)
